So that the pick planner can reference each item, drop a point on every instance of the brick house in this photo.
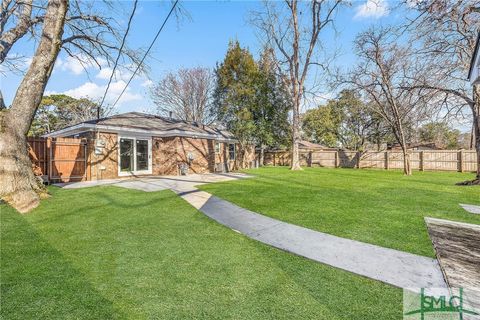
(135, 143)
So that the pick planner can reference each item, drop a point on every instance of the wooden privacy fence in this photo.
(59, 159)
(434, 160)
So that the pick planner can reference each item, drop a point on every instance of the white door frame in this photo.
(135, 172)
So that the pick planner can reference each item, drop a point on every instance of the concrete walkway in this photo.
(394, 267)
(471, 208)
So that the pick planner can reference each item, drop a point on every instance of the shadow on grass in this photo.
(38, 282)
(338, 291)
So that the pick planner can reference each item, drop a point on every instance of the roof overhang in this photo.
(89, 127)
(474, 70)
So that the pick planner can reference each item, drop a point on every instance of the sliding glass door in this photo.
(134, 156)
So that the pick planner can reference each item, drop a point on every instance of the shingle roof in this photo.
(149, 122)
(310, 145)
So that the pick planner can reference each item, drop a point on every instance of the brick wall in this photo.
(164, 158)
(169, 153)
(104, 165)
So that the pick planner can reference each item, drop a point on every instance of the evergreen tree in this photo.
(273, 105)
(235, 96)
(58, 111)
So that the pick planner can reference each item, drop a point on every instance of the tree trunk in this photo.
(2, 102)
(296, 134)
(407, 169)
(18, 185)
(476, 125)
(261, 159)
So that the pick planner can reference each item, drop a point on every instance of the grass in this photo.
(374, 206)
(113, 253)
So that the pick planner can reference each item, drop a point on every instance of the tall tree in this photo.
(186, 94)
(234, 96)
(322, 124)
(72, 26)
(360, 126)
(293, 28)
(441, 134)
(272, 105)
(385, 68)
(58, 111)
(345, 122)
(446, 32)
(19, 186)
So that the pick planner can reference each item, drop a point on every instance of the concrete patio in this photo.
(157, 183)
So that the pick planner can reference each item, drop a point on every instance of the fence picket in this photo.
(432, 160)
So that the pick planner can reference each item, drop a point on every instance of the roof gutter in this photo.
(82, 127)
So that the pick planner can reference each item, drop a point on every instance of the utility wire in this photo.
(118, 57)
(146, 52)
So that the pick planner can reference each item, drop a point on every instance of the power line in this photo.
(118, 57)
(146, 52)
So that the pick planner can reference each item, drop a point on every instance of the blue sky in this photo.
(199, 41)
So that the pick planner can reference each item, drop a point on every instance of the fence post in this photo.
(337, 162)
(422, 163)
(358, 159)
(460, 160)
(49, 158)
(386, 160)
(309, 159)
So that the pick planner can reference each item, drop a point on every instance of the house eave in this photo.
(475, 81)
(88, 127)
(474, 59)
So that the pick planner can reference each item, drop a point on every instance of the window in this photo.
(231, 151)
(217, 147)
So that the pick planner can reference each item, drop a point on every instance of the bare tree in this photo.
(384, 69)
(445, 32)
(83, 33)
(186, 95)
(294, 29)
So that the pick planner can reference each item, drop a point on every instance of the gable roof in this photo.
(137, 122)
(474, 56)
(304, 144)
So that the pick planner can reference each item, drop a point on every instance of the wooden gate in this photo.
(67, 159)
(39, 156)
(59, 159)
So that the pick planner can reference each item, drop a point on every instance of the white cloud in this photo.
(78, 65)
(72, 65)
(95, 92)
(147, 83)
(372, 9)
(105, 73)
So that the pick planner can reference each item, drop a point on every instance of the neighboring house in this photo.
(135, 143)
(474, 71)
(304, 145)
(415, 146)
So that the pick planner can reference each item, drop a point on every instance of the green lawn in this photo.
(374, 206)
(113, 253)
